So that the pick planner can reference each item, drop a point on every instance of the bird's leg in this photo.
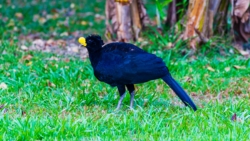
(132, 95)
(131, 90)
(120, 101)
(122, 93)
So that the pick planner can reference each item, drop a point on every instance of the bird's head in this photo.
(92, 42)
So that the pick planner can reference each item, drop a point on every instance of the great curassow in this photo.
(123, 65)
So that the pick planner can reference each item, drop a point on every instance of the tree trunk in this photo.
(220, 20)
(241, 20)
(241, 25)
(124, 19)
(202, 15)
(197, 22)
(172, 16)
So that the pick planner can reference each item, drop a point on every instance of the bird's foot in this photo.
(131, 108)
(120, 102)
(118, 108)
(131, 105)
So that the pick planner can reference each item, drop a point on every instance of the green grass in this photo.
(52, 99)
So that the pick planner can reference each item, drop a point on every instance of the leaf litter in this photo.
(67, 47)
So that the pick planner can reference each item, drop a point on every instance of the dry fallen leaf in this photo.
(55, 16)
(50, 42)
(169, 45)
(64, 34)
(187, 79)
(210, 68)
(50, 84)
(27, 57)
(99, 17)
(23, 47)
(42, 20)
(239, 67)
(243, 52)
(84, 23)
(61, 43)
(29, 63)
(11, 23)
(75, 49)
(66, 60)
(227, 69)
(19, 15)
(206, 75)
(38, 42)
(3, 86)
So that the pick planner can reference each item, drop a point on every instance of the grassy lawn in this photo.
(56, 97)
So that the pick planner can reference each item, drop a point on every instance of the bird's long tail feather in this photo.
(179, 91)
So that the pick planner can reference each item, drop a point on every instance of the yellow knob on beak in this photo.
(82, 41)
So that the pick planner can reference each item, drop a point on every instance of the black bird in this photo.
(123, 65)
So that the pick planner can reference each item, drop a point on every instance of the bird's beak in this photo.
(82, 41)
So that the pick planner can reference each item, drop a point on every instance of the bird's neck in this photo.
(94, 57)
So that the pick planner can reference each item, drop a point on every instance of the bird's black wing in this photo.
(120, 46)
(127, 64)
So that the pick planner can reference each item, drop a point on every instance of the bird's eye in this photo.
(90, 41)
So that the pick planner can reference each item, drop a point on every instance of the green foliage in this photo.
(49, 17)
(182, 7)
(62, 100)
(160, 5)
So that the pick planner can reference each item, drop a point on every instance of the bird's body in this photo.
(123, 65)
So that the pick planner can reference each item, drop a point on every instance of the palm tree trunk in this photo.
(202, 15)
(125, 19)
